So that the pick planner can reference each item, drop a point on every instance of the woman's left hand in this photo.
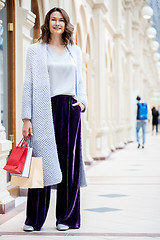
(80, 104)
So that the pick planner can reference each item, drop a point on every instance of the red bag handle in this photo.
(23, 141)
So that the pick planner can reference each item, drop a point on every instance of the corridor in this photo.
(121, 202)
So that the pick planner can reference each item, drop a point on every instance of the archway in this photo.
(83, 17)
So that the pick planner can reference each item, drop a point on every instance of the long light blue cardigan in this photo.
(36, 105)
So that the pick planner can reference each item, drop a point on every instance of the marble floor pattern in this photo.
(121, 201)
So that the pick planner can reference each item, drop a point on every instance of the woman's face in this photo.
(56, 23)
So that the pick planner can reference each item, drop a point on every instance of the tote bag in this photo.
(35, 179)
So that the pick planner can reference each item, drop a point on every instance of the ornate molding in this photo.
(91, 3)
(128, 4)
(28, 24)
(129, 52)
(101, 5)
(119, 34)
(109, 25)
(135, 25)
(30, 20)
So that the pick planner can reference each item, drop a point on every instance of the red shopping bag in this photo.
(17, 157)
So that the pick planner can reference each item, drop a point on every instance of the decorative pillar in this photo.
(136, 63)
(86, 130)
(6, 201)
(111, 96)
(111, 116)
(129, 72)
(118, 48)
(119, 94)
(99, 134)
(91, 107)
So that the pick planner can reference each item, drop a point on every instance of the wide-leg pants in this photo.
(67, 123)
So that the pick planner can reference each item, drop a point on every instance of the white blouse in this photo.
(62, 73)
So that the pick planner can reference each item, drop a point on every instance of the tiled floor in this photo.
(121, 202)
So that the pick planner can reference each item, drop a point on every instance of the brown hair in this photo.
(67, 36)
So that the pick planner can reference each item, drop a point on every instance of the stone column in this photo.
(91, 103)
(119, 94)
(112, 122)
(118, 42)
(136, 62)
(6, 201)
(129, 73)
(100, 129)
(86, 130)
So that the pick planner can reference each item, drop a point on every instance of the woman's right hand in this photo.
(27, 128)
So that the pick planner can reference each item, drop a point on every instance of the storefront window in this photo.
(3, 69)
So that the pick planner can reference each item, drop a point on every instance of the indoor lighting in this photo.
(147, 12)
(151, 32)
(154, 45)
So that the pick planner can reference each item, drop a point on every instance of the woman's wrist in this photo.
(26, 120)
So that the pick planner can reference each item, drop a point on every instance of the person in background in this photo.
(159, 115)
(155, 116)
(143, 116)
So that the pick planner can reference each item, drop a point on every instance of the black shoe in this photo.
(138, 145)
(142, 146)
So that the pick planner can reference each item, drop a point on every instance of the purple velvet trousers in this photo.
(67, 123)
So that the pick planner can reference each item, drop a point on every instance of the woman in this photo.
(53, 99)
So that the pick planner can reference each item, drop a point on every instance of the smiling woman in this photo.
(67, 35)
(57, 28)
(56, 23)
(53, 98)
